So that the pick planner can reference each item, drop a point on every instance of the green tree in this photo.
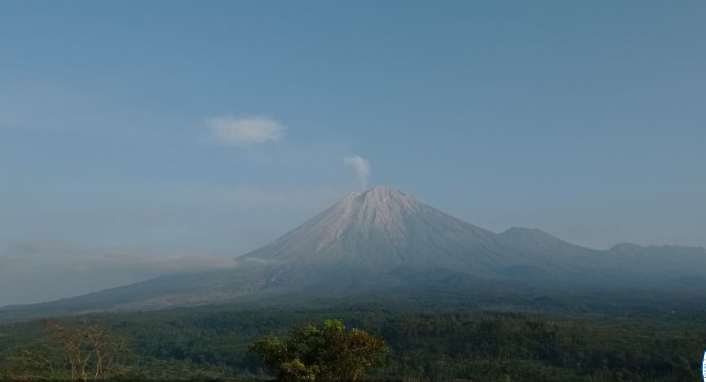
(327, 352)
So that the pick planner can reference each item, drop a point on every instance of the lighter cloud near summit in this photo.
(246, 130)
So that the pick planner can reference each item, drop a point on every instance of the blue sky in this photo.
(584, 119)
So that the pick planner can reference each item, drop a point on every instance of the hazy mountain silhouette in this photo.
(387, 240)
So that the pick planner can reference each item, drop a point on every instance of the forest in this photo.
(426, 341)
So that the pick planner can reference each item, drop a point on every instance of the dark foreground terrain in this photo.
(431, 338)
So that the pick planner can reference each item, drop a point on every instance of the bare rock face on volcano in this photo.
(381, 230)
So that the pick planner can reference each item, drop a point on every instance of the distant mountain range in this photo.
(386, 241)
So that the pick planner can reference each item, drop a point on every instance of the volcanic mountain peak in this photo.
(383, 198)
(383, 208)
(380, 205)
(383, 229)
(375, 216)
(384, 238)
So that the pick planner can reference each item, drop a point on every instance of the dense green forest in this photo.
(428, 341)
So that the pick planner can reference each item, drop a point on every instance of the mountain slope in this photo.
(386, 240)
(384, 229)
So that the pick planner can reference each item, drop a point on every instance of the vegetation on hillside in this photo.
(432, 343)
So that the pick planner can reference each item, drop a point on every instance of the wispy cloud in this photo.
(361, 166)
(43, 271)
(246, 131)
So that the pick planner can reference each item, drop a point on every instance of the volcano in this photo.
(387, 240)
(381, 230)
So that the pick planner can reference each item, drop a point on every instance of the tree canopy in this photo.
(326, 352)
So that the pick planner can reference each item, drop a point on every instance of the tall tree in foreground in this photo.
(92, 351)
(325, 352)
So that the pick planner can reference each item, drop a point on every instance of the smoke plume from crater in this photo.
(361, 166)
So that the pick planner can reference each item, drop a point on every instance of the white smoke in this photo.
(361, 166)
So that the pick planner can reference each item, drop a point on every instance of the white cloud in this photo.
(246, 131)
(361, 166)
